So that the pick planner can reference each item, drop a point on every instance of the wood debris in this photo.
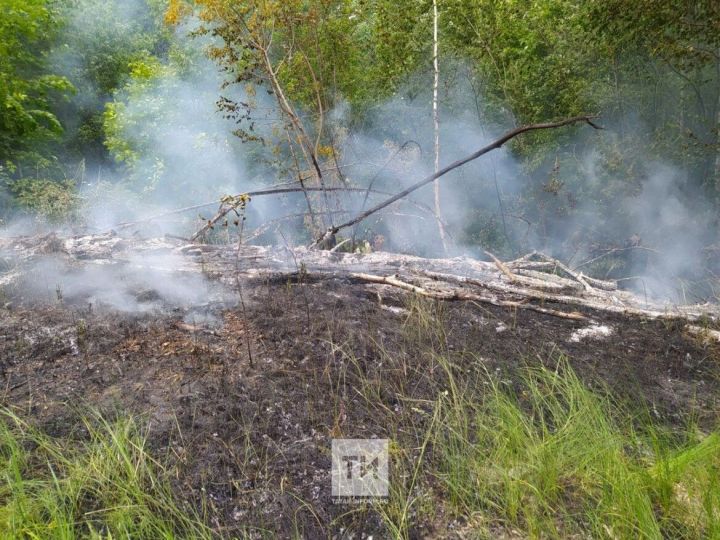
(534, 282)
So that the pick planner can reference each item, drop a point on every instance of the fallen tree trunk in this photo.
(467, 296)
(459, 278)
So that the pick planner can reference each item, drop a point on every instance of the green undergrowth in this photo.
(538, 453)
(103, 486)
(550, 458)
(555, 459)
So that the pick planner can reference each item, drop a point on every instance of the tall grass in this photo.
(105, 486)
(555, 459)
(534, 452)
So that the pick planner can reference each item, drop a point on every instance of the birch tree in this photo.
(436, 122)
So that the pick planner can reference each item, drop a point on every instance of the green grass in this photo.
(104, 486)
(555, 459)
(534, 452)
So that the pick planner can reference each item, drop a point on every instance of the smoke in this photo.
(173, 149)
(584, 201)
(626, 214)
(612, 210)
(141, 284)
(676, 226)
(394, 148)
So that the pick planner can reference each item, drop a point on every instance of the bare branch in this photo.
(459, 163)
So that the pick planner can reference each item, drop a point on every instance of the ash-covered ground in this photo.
(245, 378)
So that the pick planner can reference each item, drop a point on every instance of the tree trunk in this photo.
(436, 121)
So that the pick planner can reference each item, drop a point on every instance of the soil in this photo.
(243, 402)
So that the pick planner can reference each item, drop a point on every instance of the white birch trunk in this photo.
(436, 120)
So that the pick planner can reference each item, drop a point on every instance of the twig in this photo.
(240, 293)
(225, 209)
(616, 250)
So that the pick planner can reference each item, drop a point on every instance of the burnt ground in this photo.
(242, 405)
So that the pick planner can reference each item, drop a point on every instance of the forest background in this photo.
(111, 107)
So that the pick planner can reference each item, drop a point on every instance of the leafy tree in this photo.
(26, 83)
(28, 88)
(102, 43)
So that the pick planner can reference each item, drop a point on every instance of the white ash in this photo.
(594, 331)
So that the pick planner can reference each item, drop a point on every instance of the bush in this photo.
(49, 199)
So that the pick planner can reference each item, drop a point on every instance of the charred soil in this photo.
(243, 404)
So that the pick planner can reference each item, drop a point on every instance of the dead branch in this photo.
(459, 163)
(265, 227)
(259, 193)
(522, 260)
(450, 279)
(601, 283)
(465, 296)
(530, 265)
(225, 209)
(501, 266)
(577, 277)
(525, 266)
(545, 276)
(391, 280)
(599, 301)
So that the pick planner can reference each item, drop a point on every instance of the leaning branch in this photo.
(459, 163)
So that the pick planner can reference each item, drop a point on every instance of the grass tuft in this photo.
(105, 486)
(555, 459)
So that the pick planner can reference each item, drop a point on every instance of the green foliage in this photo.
(101, 44)
(26, 84)
(53, 200)
(117, 122)
(159, 145)
(106, 486)
(558, 459)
